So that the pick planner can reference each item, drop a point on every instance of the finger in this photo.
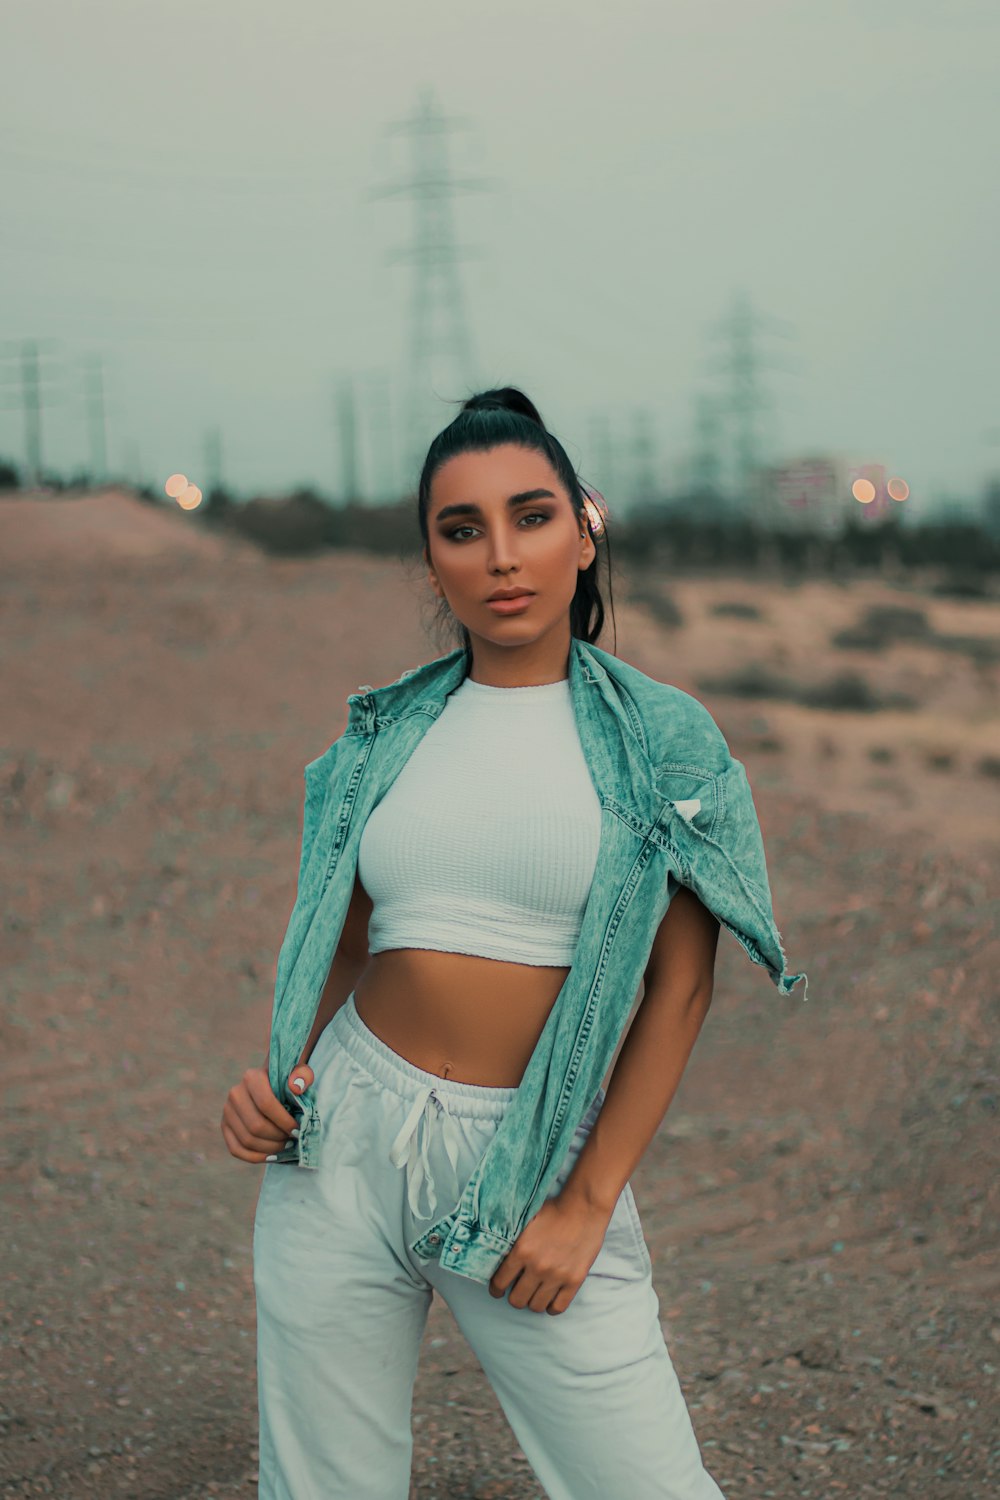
(258, 1086)
(300, 1078)
(528, 1295)
(562, 1301)
(247, 1120)
(252, 1129)
(522, 1290)
(503, 1276)
(260, 1145)
(237, 1150)
(543, 1295)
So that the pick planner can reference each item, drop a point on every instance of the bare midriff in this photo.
(465, 1018)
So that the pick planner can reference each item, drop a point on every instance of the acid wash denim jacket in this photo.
(676, 810)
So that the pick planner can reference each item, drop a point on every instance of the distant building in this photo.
(815, 494)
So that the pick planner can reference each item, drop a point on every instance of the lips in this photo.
(521, 594)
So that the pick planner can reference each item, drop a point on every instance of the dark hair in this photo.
(487, 420)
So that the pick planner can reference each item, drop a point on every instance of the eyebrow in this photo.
(467, 508)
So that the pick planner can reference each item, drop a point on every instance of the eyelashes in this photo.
(540, 514)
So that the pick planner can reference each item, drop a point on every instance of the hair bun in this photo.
(505, 398)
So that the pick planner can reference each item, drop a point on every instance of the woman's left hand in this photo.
(549, 1261)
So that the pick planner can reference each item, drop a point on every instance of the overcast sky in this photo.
(188, 192)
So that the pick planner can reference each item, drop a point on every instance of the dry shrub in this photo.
(660, 605)
(737, 609)
(979, 648)
(964, 586)
(882, 625)
(846, 691)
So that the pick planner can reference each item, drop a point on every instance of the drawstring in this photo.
(405, 1151)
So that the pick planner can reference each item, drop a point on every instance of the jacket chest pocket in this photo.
(694, 793)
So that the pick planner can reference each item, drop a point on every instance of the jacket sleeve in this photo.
(317, 776)
(742, 846)
(316, 783)
(718, 834)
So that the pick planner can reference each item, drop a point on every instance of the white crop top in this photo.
(487, 840)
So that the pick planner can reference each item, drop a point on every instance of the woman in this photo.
(474, 873)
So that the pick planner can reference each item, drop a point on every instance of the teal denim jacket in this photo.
(676, 809)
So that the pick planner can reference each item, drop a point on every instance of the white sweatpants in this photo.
(590, 1393)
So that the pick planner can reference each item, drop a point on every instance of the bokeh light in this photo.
(863, 490)
(898, 489)
(190, 498)
(176, 485)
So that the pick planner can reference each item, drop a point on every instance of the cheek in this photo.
(557, 550)
(463, 574)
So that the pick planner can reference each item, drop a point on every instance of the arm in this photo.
(349, 962)
(678, 987)
(345, 971)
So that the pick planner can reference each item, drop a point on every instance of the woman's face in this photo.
(503, 519)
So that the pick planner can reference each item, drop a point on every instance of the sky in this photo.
(200, 195)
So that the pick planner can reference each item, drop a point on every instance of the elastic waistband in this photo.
(473, 1101)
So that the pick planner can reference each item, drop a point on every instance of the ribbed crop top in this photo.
(487, 840)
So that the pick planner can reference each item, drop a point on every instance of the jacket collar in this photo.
(426, 687)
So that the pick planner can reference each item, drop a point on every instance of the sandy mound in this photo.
(86, 527)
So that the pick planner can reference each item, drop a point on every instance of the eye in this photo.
(539, 515)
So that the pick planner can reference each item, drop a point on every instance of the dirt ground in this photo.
(820, 1203)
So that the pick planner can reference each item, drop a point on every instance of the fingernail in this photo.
(272, 1158)
(295, 1131)
(298, 1083)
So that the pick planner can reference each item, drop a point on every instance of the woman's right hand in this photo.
(254, 1124)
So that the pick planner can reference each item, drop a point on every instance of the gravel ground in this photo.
(820, 1202)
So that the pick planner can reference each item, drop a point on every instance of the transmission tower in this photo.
(745, 399)
(441, 358)
(33, 397)
(706, 467)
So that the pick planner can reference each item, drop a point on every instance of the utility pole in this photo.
(213, 459)
(27, 352)
(745, 399)
(440, 342)
(378, 406)
(347, 426)
(93, 389)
